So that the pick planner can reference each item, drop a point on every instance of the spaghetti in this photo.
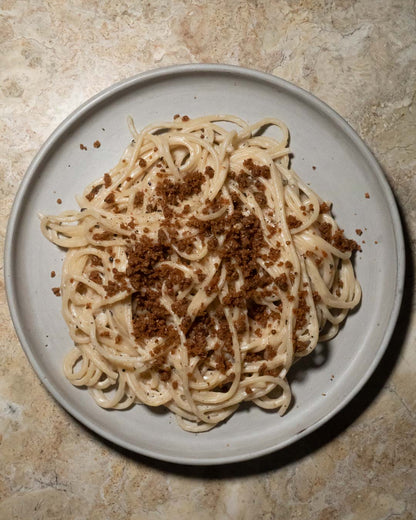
(198, 270)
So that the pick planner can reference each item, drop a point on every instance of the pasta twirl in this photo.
(198, 270)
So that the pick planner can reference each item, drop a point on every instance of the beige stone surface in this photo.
(358, 56)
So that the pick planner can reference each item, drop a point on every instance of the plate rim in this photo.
(135, 81)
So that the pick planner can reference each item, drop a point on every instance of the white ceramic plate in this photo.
(344, 171)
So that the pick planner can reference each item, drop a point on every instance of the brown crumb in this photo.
(325, 228)
(93, 192)
(359, 232)
(97, 144)
(367, 195)
(324, 207)
(81, 288)
(107, 180)
(110, 199)
(316, 297)
(344, 244)
(138, 199)
(56, 291)
(83, 147)
(53, 274)
(59, 201)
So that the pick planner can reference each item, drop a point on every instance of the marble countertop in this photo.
(359, 56)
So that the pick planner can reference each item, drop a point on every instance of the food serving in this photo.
(198, 270)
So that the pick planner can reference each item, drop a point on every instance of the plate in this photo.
(328, 154)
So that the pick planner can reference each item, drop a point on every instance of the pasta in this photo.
(198, 270)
